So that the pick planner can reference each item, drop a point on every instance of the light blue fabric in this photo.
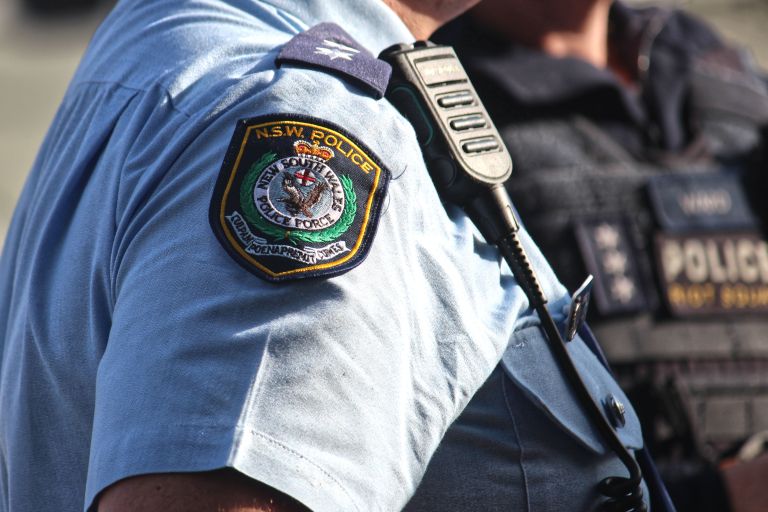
(132, 343)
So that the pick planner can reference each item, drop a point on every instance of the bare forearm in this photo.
(746, 484)
(216, 491)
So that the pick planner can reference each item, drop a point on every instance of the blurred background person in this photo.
(637, 141)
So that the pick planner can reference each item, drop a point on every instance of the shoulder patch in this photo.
(297, 197)
(327, 46)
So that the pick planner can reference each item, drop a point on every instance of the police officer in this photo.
(231, 285)
(634, 134)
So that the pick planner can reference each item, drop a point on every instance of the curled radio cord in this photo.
(623, 494)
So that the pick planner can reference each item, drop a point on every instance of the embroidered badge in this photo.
(713, 273)
(607, 252)
(297, 197)
(683, 203)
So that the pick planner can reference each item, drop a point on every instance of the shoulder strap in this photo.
(327, 47)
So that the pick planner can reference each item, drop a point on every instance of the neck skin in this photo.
(561, 28)
(423, 17)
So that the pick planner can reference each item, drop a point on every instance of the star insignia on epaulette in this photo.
(336, 50)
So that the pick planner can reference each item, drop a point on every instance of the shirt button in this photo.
(616, 411)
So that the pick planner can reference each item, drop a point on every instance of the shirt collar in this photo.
(370, 22)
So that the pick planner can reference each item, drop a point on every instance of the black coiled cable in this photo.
(623, 494)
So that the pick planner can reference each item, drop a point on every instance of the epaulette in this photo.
(329, 48)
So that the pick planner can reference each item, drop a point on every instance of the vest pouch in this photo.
(531, 366)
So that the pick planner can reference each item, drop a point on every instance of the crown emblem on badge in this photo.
(302, 147)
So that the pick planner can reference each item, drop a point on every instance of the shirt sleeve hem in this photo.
(167, 449)
(268, 460)
(188, 450)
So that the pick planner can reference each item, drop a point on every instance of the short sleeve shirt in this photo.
(132, 343)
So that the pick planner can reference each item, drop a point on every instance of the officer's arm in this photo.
(746, 484)
(219, 491)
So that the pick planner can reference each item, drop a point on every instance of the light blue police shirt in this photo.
(132, 343)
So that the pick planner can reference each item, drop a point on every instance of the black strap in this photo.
(624, 494)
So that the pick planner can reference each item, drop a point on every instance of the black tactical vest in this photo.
(680, 307)
(673, 235)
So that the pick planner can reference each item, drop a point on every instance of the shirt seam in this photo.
(521, 458)
(144, 90)
(299, 456)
